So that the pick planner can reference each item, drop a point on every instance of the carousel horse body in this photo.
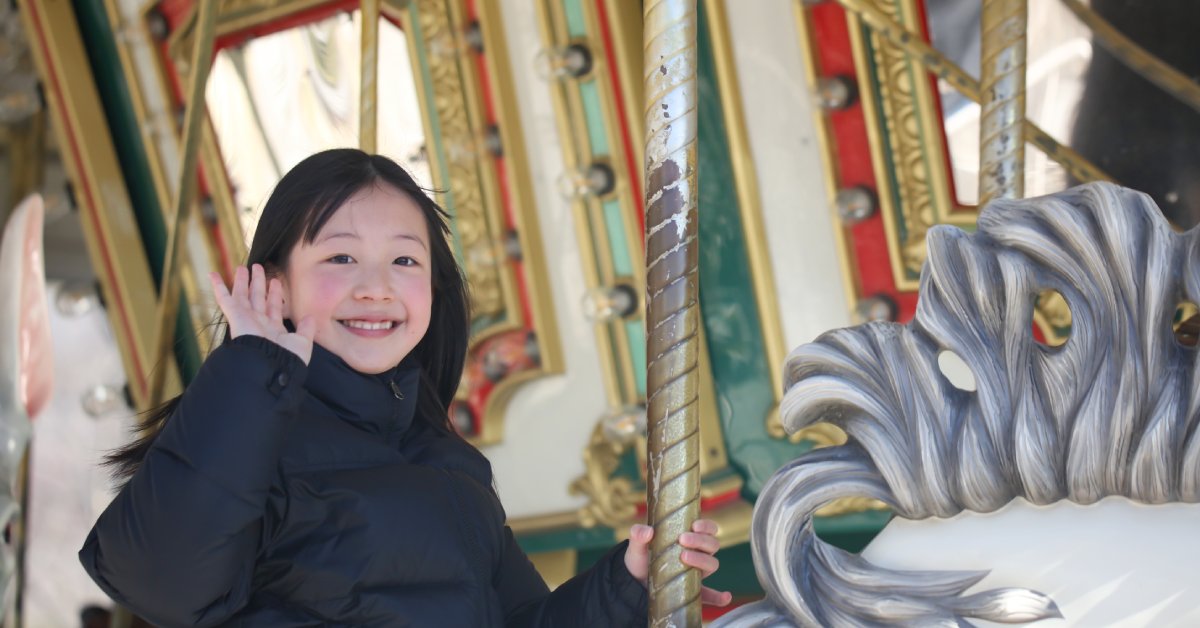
(1065, 484)
(26, 368)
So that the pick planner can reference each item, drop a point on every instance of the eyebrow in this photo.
(353, 236)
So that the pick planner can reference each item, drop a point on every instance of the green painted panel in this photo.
(731, 317)
(573, 9)
(730, 312)
(590, 97)
(581, 538)
(135, 165)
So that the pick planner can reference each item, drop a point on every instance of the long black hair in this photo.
(302, 202)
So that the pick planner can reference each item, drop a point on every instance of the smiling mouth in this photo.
(369, 325)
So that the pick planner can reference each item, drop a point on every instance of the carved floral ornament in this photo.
(1111, 412)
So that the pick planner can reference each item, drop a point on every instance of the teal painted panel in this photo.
(576, 26)
(636, 331)
(614, 223)
(135, 165)
(589, 95)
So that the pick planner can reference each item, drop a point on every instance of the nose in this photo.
(374, 284)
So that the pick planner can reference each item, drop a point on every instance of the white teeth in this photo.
(369, 325)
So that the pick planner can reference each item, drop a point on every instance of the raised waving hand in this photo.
(254, 306)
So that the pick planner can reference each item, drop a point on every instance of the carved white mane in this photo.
(1111, 412)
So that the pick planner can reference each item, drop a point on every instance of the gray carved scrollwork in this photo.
(1112, 412)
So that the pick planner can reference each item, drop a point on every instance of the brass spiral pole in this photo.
(368, 87)
(1002, 114)
(672, 306)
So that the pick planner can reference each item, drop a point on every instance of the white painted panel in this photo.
(549, 420)
(783, 142)
(68, 487)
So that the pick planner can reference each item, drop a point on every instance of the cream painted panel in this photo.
(780, 123)
(1112, 563)
(549, 420)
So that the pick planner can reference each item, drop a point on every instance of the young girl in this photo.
(309, 475)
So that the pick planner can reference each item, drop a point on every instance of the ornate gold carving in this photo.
(611, 501)
(462, 160)
(899, 78)
(820, 435)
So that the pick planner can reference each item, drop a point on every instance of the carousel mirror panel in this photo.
(1085, 97)
(279, 98)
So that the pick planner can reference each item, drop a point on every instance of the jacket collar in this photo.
(381, 404)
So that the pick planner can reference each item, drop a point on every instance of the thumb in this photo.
(637, 555)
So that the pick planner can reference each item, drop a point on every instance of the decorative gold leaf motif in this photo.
(611, 501)
(462, 161)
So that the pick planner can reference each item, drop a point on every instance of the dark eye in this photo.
(405, 261)
(340, 259)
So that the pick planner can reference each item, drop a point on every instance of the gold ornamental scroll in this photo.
(672, 305)
(168, 293)
(1002, 113)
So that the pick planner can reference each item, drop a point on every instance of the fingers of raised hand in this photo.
(241, 285)
(275, 301)
(258, 289)
(712, 597)
(220, 292)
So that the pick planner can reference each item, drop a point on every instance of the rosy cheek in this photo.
(320, 296)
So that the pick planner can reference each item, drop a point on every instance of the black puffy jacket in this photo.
(286, 495)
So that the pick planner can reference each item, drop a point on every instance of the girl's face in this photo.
(365, 280)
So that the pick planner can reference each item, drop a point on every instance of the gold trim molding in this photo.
(110, 229)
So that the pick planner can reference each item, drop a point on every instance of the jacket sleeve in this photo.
(604, 596)
(178, 543)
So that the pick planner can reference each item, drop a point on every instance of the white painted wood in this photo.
(1113, 563)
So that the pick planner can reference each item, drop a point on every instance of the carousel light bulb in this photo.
(877, 308)
(573, 61)
(75, 299)
(102, 399)
(597, 179)
(855, 204)
(608, 303)
(835, 93)
(624, 425)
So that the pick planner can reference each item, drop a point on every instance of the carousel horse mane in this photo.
(1112, 412)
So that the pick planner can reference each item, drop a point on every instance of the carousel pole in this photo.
(368, 86)
(672, 306)
(1002, 114)
(168, 293)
